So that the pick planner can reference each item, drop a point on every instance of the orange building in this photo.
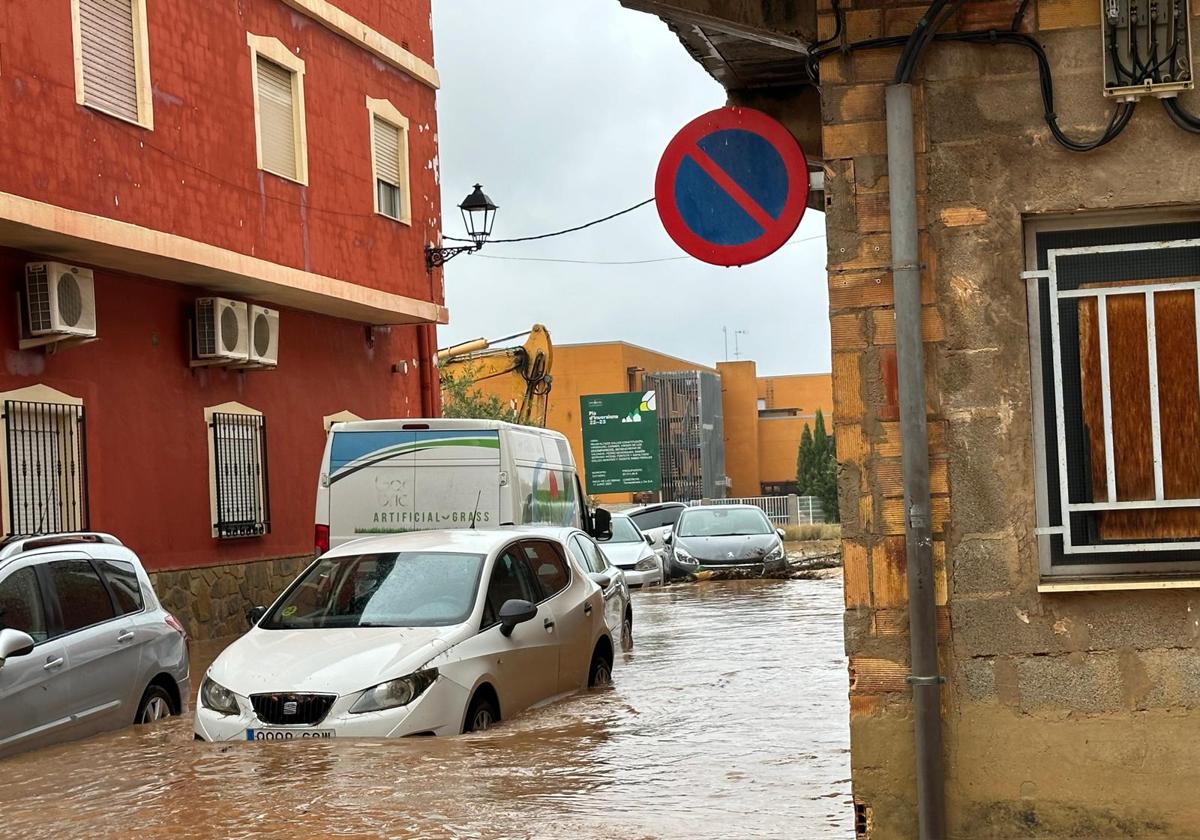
(764, 417)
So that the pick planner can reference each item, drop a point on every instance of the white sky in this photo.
(561, 109)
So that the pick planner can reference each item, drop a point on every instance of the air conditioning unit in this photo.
(60, 300)
(222, 330)
(264, 336)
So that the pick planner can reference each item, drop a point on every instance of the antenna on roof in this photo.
(475, 513)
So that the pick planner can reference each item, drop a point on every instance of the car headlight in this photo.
(777, 553)
(393, 693)
(217, 697)
(681, 554)
(646, 564)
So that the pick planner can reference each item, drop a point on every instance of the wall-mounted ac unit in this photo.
(264, 336)
(60, 300)
(222, 330)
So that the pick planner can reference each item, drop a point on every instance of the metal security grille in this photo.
(108, 43)
(1115, 316)
(46, 452)
(243, 502)
(277, 119)
(690, 434)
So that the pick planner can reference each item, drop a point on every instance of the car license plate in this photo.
(287, 734)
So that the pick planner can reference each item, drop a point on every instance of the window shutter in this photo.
(387, 152)
(277, 119)
(109, 59)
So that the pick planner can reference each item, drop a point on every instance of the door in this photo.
(102, 659)
(33, 688)
(592, 559)
(526, 668)
(567, 598)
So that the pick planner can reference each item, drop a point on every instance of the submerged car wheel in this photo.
(627, 631)
(156, 704)
(600, 674)
(482, 715)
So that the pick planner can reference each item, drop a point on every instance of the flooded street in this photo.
(729, 718)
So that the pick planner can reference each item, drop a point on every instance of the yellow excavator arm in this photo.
(518, 375)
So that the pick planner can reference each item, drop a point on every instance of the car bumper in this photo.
(730, 566)
(637, 580)
(439, 711)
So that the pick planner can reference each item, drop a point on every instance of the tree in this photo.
(461, 398)
(816, 467)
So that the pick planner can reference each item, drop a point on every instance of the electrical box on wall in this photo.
(1147, 48)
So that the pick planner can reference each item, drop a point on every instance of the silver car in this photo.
(85, 645)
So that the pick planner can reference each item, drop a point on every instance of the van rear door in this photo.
(386, 482)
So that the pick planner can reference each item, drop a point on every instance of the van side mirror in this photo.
(255, 615)
(14, 643)
(514, 612)
(601, 524)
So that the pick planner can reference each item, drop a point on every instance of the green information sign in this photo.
(620, 442)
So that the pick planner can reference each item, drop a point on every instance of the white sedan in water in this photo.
(632, 552)
(437, 632)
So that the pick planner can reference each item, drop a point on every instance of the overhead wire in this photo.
(559, 232)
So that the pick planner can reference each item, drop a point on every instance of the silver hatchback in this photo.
(85, 646)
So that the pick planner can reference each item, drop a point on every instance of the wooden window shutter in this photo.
(109, 56)
(277, 119)
(387, 152)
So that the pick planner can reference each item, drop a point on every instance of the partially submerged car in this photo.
(656, 520)
(724, 537)
(426, 633)
(632, 552)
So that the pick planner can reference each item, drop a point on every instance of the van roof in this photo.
(436, 424)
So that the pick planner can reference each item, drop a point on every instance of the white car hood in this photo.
(626, 555)
(337, 661)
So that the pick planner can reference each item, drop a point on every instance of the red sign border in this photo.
(794, 161)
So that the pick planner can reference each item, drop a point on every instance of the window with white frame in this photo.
(45, 484)
(239, 483)
(1115, 342)
(389, 160)
(112, 60)
(279, 122)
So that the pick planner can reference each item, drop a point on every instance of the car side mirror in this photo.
(601, 524)
(514, 612)
(14, 643)
(602, 579)
(668, 538)
(649, 539)
(781, 534)
(255, 615)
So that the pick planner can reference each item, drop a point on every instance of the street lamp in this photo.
(479, 213)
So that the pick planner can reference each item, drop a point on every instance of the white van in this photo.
(392, 476)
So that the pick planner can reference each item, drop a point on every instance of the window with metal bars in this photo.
(1115, 335)
(46, 460)
(242, 502)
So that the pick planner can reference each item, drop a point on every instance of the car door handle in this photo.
(587, 609)
(548, 624)
(125, 636)
(51, 664)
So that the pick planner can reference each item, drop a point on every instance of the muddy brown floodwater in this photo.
(729, 719)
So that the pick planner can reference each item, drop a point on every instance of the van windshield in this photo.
(401, 589)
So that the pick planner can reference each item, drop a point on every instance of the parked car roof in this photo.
(652, 506)
(15, 545)
(469, 540)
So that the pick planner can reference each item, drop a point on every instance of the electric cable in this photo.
(916, 38)
(838, 28)
(1182, 117)
(559, 232)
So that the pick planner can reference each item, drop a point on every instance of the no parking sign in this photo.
(732, 186)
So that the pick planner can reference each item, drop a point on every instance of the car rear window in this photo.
(657, 517)
(123, 581)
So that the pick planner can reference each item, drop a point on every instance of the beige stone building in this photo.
(1060, 312)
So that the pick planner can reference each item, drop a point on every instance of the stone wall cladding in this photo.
(1066, 715)
(212, 602)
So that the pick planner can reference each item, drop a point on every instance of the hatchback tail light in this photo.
(321, 539)
(176, 625)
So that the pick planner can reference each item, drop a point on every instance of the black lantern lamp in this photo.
(479, 213)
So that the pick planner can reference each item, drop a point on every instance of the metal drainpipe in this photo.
(910, 360)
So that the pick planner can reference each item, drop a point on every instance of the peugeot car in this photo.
(720, 537)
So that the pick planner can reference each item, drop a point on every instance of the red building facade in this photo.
(276, 153)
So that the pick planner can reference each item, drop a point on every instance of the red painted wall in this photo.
(195, 174)
(144, 407)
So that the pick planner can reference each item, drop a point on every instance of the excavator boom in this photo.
(517, 375)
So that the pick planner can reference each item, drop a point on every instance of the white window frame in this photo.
(272, 49)
(37, 394)
(141, 56)
(264, 480)
(1113, 560)
(389, 113)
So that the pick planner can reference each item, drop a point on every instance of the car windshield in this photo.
(735, 522)
(404, 589)
(624, 531)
